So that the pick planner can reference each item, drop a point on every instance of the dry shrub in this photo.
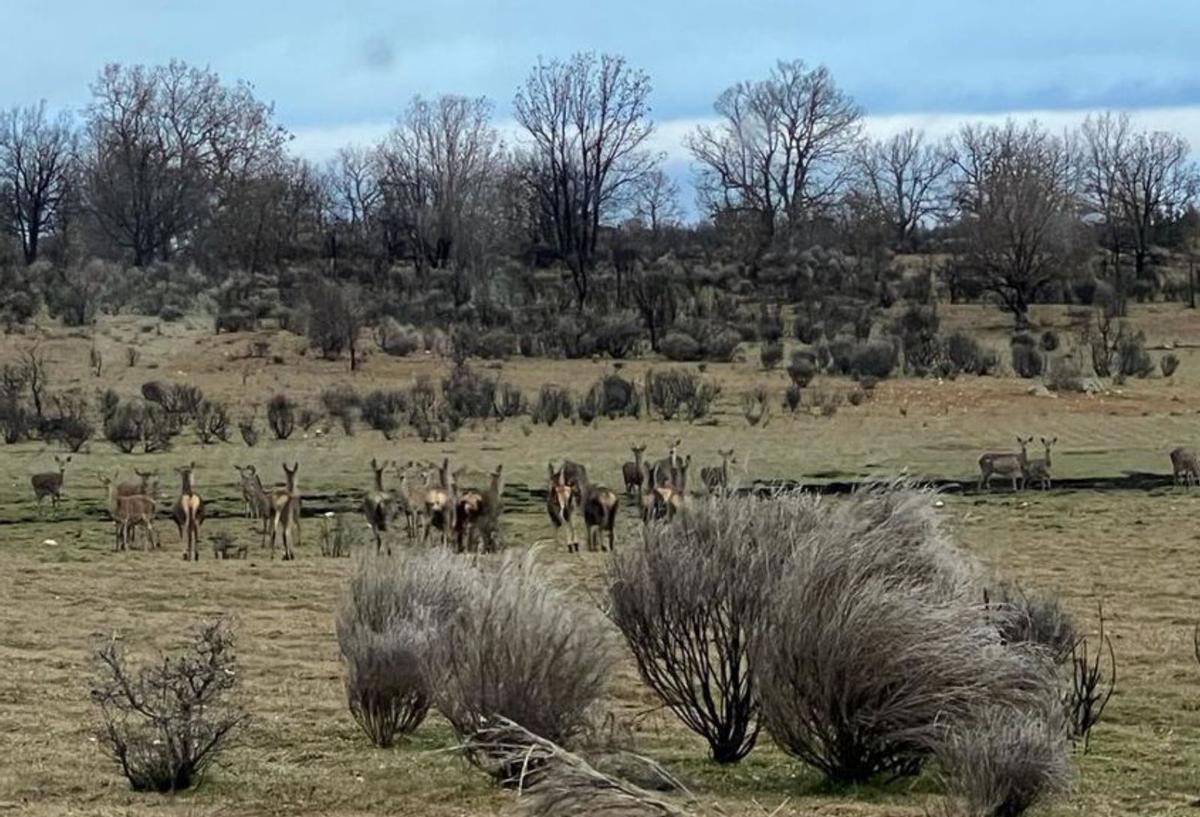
(165, 722)
(281, 416)
(872, 644)
(687, 603)
(390, 612)
(517, 648)
(1004, 762)
(1032, 619)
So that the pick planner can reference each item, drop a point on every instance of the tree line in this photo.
(182, 183)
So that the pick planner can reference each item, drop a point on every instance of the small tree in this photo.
(281, 416)
(337, 315)
(166, 722)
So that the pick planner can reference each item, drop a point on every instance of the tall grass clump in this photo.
(873, 643)
(391, 611)
(517, 648)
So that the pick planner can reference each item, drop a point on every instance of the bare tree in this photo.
(587, 120)
(656, 201)
(35, 173)
(902, 177)
(437, 172)
(781, 148)
(1015, 189)
(166, 146)
(1134, 182)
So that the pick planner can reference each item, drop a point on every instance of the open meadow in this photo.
(64, 589)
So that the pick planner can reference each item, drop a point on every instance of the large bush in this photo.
(520, 649)
(963, 354)
(1027, 359)
(680, 347)
(687, 602)
(390, 612)
(165, 722)
(674, 392)
(873, 642)
(553, 403)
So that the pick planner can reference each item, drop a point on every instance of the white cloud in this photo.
(321, 143)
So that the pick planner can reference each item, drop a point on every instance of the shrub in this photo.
(67, 423)
(390, 612)
(165, 722)
(469, 395)
(616, 397)
(1027, 361)
(157, 428)
(874, 359)
(342, 403)
(398, 340)
(1092, 683)
(678, 391)
(1132, 358)
(248, 428)
(962, 354)
(1168, 363)
(517, 648)
(382, 410)
(1034, 620)
(618, 335)
(552, 404)
(771, 353)
(212, 422)
(917, 328)
(281, 416)
(1049, 341)
(792, 397)
(155, 392)
(802, 369)
(510, 402)
(1064, 375)
(1004, 762)
(871, 591)
(679, 346)
(720, 346)
(686, 603)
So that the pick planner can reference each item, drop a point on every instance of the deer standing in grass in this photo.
(410, 499)
(440, 505)
(251, 487)
(560, 506)
(145, 486)
(670, 497)
(129, 512)
(997, 464)
(1185, 466)
(715, 479)
(1038, 470)
(50, 484)
(378, 506)
(632, 472)
(285, 513)
(477, 517)
(664, 471)
(599, 505)
(188, 513)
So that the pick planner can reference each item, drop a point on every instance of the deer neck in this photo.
(379, 482)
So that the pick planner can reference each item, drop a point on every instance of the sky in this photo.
(341, 72)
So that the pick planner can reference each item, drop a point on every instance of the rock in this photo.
(1091, 385)
(1040, 390)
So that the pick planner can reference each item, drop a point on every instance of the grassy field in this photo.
(1136, 552)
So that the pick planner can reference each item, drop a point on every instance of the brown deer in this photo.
(1038, 469)
(600, 507)
(50, 484)
(716, 479)
(560, 506)
(129, 512)
(285, 510)
(441, 503)
(477, 517)
(632, 472)
(145, 486)
(250, 486)
(410, 499)
(1185, 466)
(1004, 465)
(669, 497)
(664, 470)
(378, 506)
(188, 513)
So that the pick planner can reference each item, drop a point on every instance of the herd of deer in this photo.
(430, 498)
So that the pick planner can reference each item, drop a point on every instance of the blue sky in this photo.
(342, 71)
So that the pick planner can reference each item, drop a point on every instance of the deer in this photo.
(632, 472)
(600, 507)
(188, 513)
(1185, 466)
(1004, 465)
(251, 487)
(665, 468)
(145, 486)
(560, 506)
(410, 499)
(669, 497)
(1039, 469)
(128, 512)
(477, 515)
(378, 506)
(50, 484)
(715, 479)
(285, 513)
(440, 504)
